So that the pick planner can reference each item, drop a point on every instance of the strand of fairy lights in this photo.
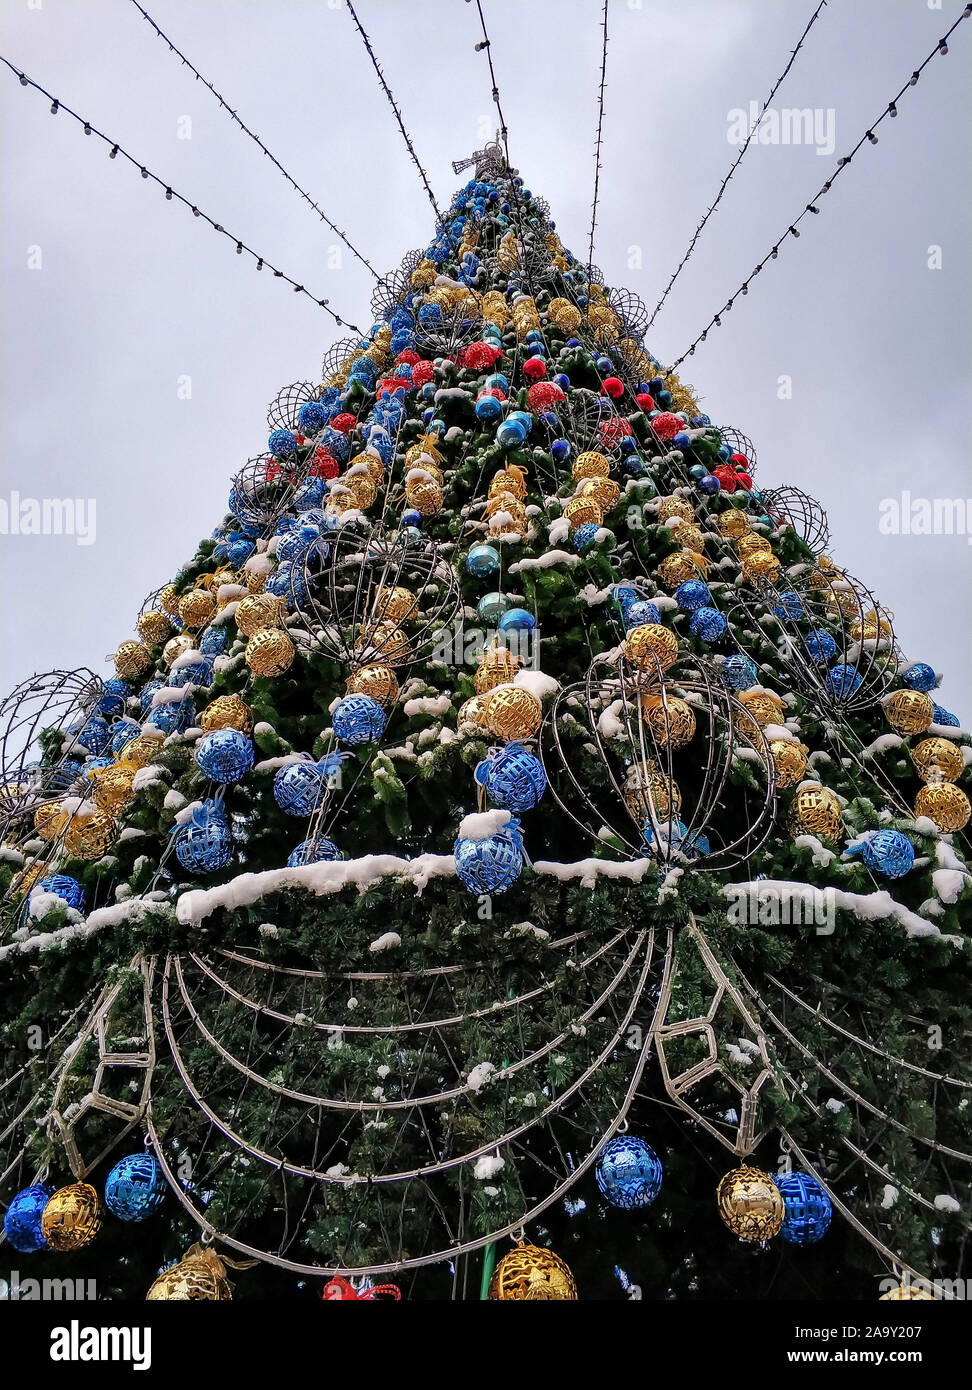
(600, 124)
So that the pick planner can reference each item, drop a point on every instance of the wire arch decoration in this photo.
(632, 311)
(393, 289)
(339, 357)
(263, 490)
(455, 327)
(833, 637)
(54, 700)
(285, 407)
(524, 251)
(644, 722)
(791, 506)
(370, 598)
(740, 443)
(591, 423)
(320, 1144)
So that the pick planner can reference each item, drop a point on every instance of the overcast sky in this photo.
(113, 297)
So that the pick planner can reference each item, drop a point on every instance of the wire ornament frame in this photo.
(339, 356)
(391, 292)
(284, 409)
(739, 443)
(456, 329)
(52, 700)
(632, 311)
(791, 506)
(263, 490)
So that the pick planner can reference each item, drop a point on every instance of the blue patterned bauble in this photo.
(515, 779)
(789, 606)
(807, 1210)
(213, 641)
(820, 645)
(842, 681)
(311, 417)
(641, 612)
(313, 852)
(295, 544)
(239, 550)
(488, 408)
(628, 1172)
(921, 676)
(511, 434)
(67, 771)
(493, 864)
(693, 594)
(93, 765)
(336, 444)
(173, 717)
(64, 887)
(358, 719)
(739, 671)
(113, 696)
(888, 853)
(198, 671)
(483, 561)
(585, 535)
(299, 788)
(135, 1187)
(309, 494)
(517, 620)
(942, 717)
(708, 624)
(22, 1219)
(94, 734)
(122, 732)
(491, 607)
(225, 755)
(147, 693)
(282, 443)
(624, 596)
(204, 843)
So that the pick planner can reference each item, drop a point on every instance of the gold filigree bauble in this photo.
(566, 316)
(154, 627)
(509, 479)
(196, 609)
(372, 463)
(132, 660)
(89, 837)
(937, 760)
(670, 720)
(512, 713)
(842, 603)
(394, 605)
(590, 464)
(424, 275)
(72, 1217)
(763, 705)
(269, 652)
(532, 1273)
(362, 490)
(139, 751)
(761, 564)
(386, 640)
(647, 788)
(816, 811)
(227, 712)
(751, 543)
(907, 1293)
(254, 580)
(789, 760)
(113, 786)
(200, 1276)
(750, 1203)
(945, 804)
(498, 667)
(675, 506)
(28, 878)
(495, 309)
(176, 647)
(603, 316)
(50, 821)
(681, 565)
(689, 536)
(605, 492)
(733, 524)
(507, 515)
(651, 647)
(909, 711)
(582, 511)
(169, 600)
(473, 711)
(256, 611)
(424, 495)
(379, 682)
(423, 452)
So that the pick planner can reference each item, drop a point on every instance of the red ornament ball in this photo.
(645, 402)
(613, 387)
(408, 356)
(345, 422)
(614, 430)
(744, 481)
(740, 462)
(534, 369)
(325, 465)
(667, 426)
(422, 372)
(544, 395)
(727, 477)
(479, 356)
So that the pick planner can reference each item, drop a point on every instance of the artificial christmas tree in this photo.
(510, 825)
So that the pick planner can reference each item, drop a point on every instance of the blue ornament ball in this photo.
(313, 852)
(515, 779)
(22, 1219)
(820, 645)
(483, 561)
(693, 594)
(358, 719)
(697, 471)
(560, 450)
(807, 1210)
(681, 441)
(94, 734)
(122, 732)
(790, 606)
(842, 681)
(943, 718)
(624, 596)
(709, 484)
(68, 770)
(739, 671)
(628, 1172)
(282, 443)
(888, 853)
(113, 696)
(204, 843)
(708, 624)
(921, 676)
(64, 887)
(492, 606)
(585, 535)
(135, 1187)
(299, 788)
(311, 417)
(517, 620)
(213, 641)
(411, 517)
(493, 864)
(488, 408)
(641, 612)
(511, 434)
(225, 755)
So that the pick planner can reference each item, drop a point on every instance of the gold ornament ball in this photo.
(945, 804)
(751, 543)
(675, 506)
(510, 479)
(750, 1204)
(512, 713)
(269, 652)
(605, 492)
(196, 608)
(762, 564)
(419, 454)
(254, 580)
(647, 788)
(498, 667)
(582, 511)
(909, 711)
(670, 720)
(789, 760)
(140, 751)
(176, 647)
(424, 495)
(374, 465)
(200, 1276)
(681, 565)
(473, 711)
(496, 310)
(132, 660)
(529, 1272)
(734, 524)
(72, 1217)
(154, 627)
(937, 760)
(651, 647)
(169, 600)
(566, 316)
(816, 811)
(89, 837)
(907, 1292)
(227, 712)
(385, 640)
(590, 464)
(113, 786)
(395, 605)
(50, 821)
(362, 490)
(690, 537)
(763, 705)
(256, 611)
(29, 877)
(379, 682)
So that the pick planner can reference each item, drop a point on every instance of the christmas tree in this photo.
(512, 853)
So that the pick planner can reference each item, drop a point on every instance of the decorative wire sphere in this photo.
(22, 1219)
(807, 1208)
(739, 443)
(792, 506)
(492, 864)
(317, 851)
(263, 491)
(340, 355)
(284, 410)
(394, 288)
(585, 420)
(54, 699)
(135, 1187)
(628, 1172)
(446, 336)
(632, 311)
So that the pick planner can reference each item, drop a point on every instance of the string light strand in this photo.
(600, 123)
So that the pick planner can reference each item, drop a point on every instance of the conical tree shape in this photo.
(507, 775)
